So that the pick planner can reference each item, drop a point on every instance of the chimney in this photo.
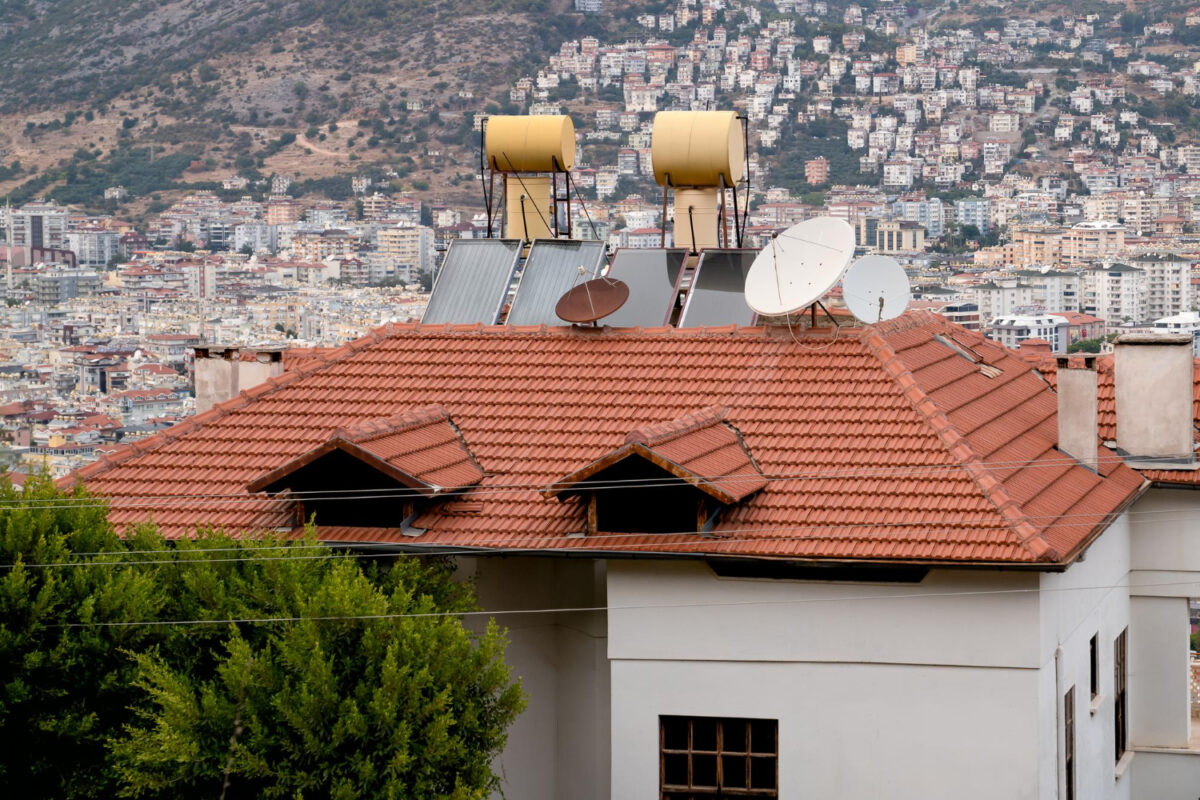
(221, 373)
(1153, 377)
(1078, 435)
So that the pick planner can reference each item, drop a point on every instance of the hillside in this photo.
(155, 93)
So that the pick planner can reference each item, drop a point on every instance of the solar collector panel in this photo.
(652, 276)
(551, 269)
(717, 294)
(473, 282)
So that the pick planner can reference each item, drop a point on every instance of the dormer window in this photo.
(672, 477)
(377, 473)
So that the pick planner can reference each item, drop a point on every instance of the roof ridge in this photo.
(374, 428)
(1027, 534)
(658, 433)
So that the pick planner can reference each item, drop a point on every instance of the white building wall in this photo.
(558, 747)
(1088, 599)
(928, 690)
(845, 730)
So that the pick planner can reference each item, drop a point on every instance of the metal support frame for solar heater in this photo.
(593, 274)
(696, 269)
(489, 190)
(512, 271)
(675, 289)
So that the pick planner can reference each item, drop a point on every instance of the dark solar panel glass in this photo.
(717, 296)
(473, 282)
(651, 276)
(551, 270)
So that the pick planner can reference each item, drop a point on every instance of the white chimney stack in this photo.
(1153, 377)
(222, 372)
(1078, 406)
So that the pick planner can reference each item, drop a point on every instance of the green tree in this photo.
(365, 685)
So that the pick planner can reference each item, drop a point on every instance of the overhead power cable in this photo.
(856, 473)
(668, 542)
(609, 608)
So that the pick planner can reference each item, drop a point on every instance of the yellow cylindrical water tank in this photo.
(530, 144)
(698, 148)
(697, 217)
(528, 208)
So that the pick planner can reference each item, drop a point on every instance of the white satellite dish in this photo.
(799, 266)
(876, 288)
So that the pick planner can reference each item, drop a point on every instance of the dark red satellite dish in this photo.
(592, 300)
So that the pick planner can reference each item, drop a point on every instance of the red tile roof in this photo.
(913, 440)
(419, 448)
(698, 448)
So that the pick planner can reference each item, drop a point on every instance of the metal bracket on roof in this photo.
(406, 525)
(710, 523)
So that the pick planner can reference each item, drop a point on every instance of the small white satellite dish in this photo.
(876, 288)
(799, 266)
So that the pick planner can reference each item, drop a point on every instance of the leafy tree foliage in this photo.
(364, 686)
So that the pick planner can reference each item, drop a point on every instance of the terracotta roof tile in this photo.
(879, 443)
(699, 448)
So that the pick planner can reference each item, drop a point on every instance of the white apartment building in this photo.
(1012, 330)
(93, 247)
(899, 173)
(38, 225)
(1116, 293)
(1054, 290)
(1169, 283)
(1001, 298)
(409, 248)
(260, 237)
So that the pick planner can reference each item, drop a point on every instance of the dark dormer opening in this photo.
(642, 497)
(672, 477)
(338, 488)
(377, 473)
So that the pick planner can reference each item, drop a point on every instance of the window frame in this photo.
(748, 755)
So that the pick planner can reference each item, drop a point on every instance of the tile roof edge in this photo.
(1028, 535)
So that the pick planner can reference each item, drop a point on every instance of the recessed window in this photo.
(1069, 742)
(718, 757)
(1094, 660)
(1120, 723)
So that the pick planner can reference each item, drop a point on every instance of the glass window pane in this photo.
(675, 733)
(733, 772)
(762, 772)
(704, 771)
(733, 733)
(675, 769)
(704, 734)
(762, 736)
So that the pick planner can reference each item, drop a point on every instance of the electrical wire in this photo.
(608, 608)
(484, 490)
(587, 544)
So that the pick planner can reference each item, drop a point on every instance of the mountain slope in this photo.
(305, 88)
